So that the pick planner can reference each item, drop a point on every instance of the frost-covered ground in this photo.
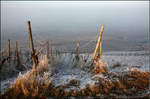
(66, 71)
(65, 67)
(139, 59)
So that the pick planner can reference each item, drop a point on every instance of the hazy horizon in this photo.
(75, 19)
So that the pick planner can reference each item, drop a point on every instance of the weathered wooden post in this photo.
(51, 49)
(98, 42)
(8, 48)
(100, 53)
(9, 51)
(34, 57)
(47, 49)
(17, 54)
(77, 51)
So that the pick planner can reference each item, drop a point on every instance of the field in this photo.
(64, 75)
(47, 72)
(74, 50)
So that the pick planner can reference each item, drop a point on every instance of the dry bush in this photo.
(43, 65)
(133, 79)
(120, 87)
(136, 77)
(66, 93)
(74, 93)
(105, 84)
(109, 85)
(82, 91)
(100, 67)
(34, 83)
(30, 85)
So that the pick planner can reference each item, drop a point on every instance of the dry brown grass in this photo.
(34, 83)
(137, 78)
(131, 82)
(100, 67)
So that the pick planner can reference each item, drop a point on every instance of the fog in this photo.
(61, 19)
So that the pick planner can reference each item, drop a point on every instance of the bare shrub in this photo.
(34, 83)
(136, 77)
(100, 67)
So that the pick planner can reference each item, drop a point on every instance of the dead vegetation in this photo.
(32, 84)
(100, 67)
(136, 78)
(38, 83)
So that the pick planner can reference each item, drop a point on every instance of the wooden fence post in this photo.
(100, 53)
(51, 49)
(47, 49)
(34, 57)
(98, 42)
(17, 54)
(77, 51)
(8, 48)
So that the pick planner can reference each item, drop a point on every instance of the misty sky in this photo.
(58, 18)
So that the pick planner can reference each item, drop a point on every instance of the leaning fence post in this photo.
(98, 42)
(100, 53)
(34, 58)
